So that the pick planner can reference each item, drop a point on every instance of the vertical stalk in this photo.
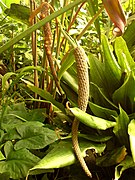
(34, 45)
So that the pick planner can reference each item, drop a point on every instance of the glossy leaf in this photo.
(92, 121)
(102, 112)
(68, 61)
(97, 72)
(131, 132)
(124, 57)
(111, 67)
(121, 128)
(62, 154)
(18, 162)
(125, 95)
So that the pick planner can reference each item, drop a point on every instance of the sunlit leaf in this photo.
(92, 121)
(111, 67)
(131, 132)
(124, 57)
(68, 61)
(62, 154)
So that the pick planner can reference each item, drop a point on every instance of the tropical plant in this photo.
(36, 140)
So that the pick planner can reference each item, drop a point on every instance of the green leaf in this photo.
(71, 95)
(92, 121)
(131, 132)
(70, 80)
(97, 72)
(121, 128)
(125, 95)
(19, 12)
(95, 137)
(18, 162)
(34, 137)
(112, 69)
(4, 80)
(124, 165)
(124, 57)
(46, 95)
(100, 98)
(62, 154)
(102, 112)
(68, 61)
(112, 157)
(129, 35)
(2, 156)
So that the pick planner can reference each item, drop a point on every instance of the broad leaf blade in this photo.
(112, 69)
(121, 128)
(124, 58)
(18, 163)
(102, 112)
(92, 121)
(34, 137)
(125, 95)
(62, 155)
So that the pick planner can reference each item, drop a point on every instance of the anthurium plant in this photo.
(35, 119)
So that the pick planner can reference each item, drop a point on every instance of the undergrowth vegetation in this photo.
(39, 91)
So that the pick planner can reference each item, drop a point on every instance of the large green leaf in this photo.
(70, 80)
(121, 128)
(92, 121)
(125, 95)
(19, 12)
(34, 136)
(68, 61)
(129, 35)
(62, 154)
(131, 132)
(17, 162)
(124, 57)
(99, 97)
(124, 165)
(112, 69)
(102, 112)
(97, 72)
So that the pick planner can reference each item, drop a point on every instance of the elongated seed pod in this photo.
(83, 96)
